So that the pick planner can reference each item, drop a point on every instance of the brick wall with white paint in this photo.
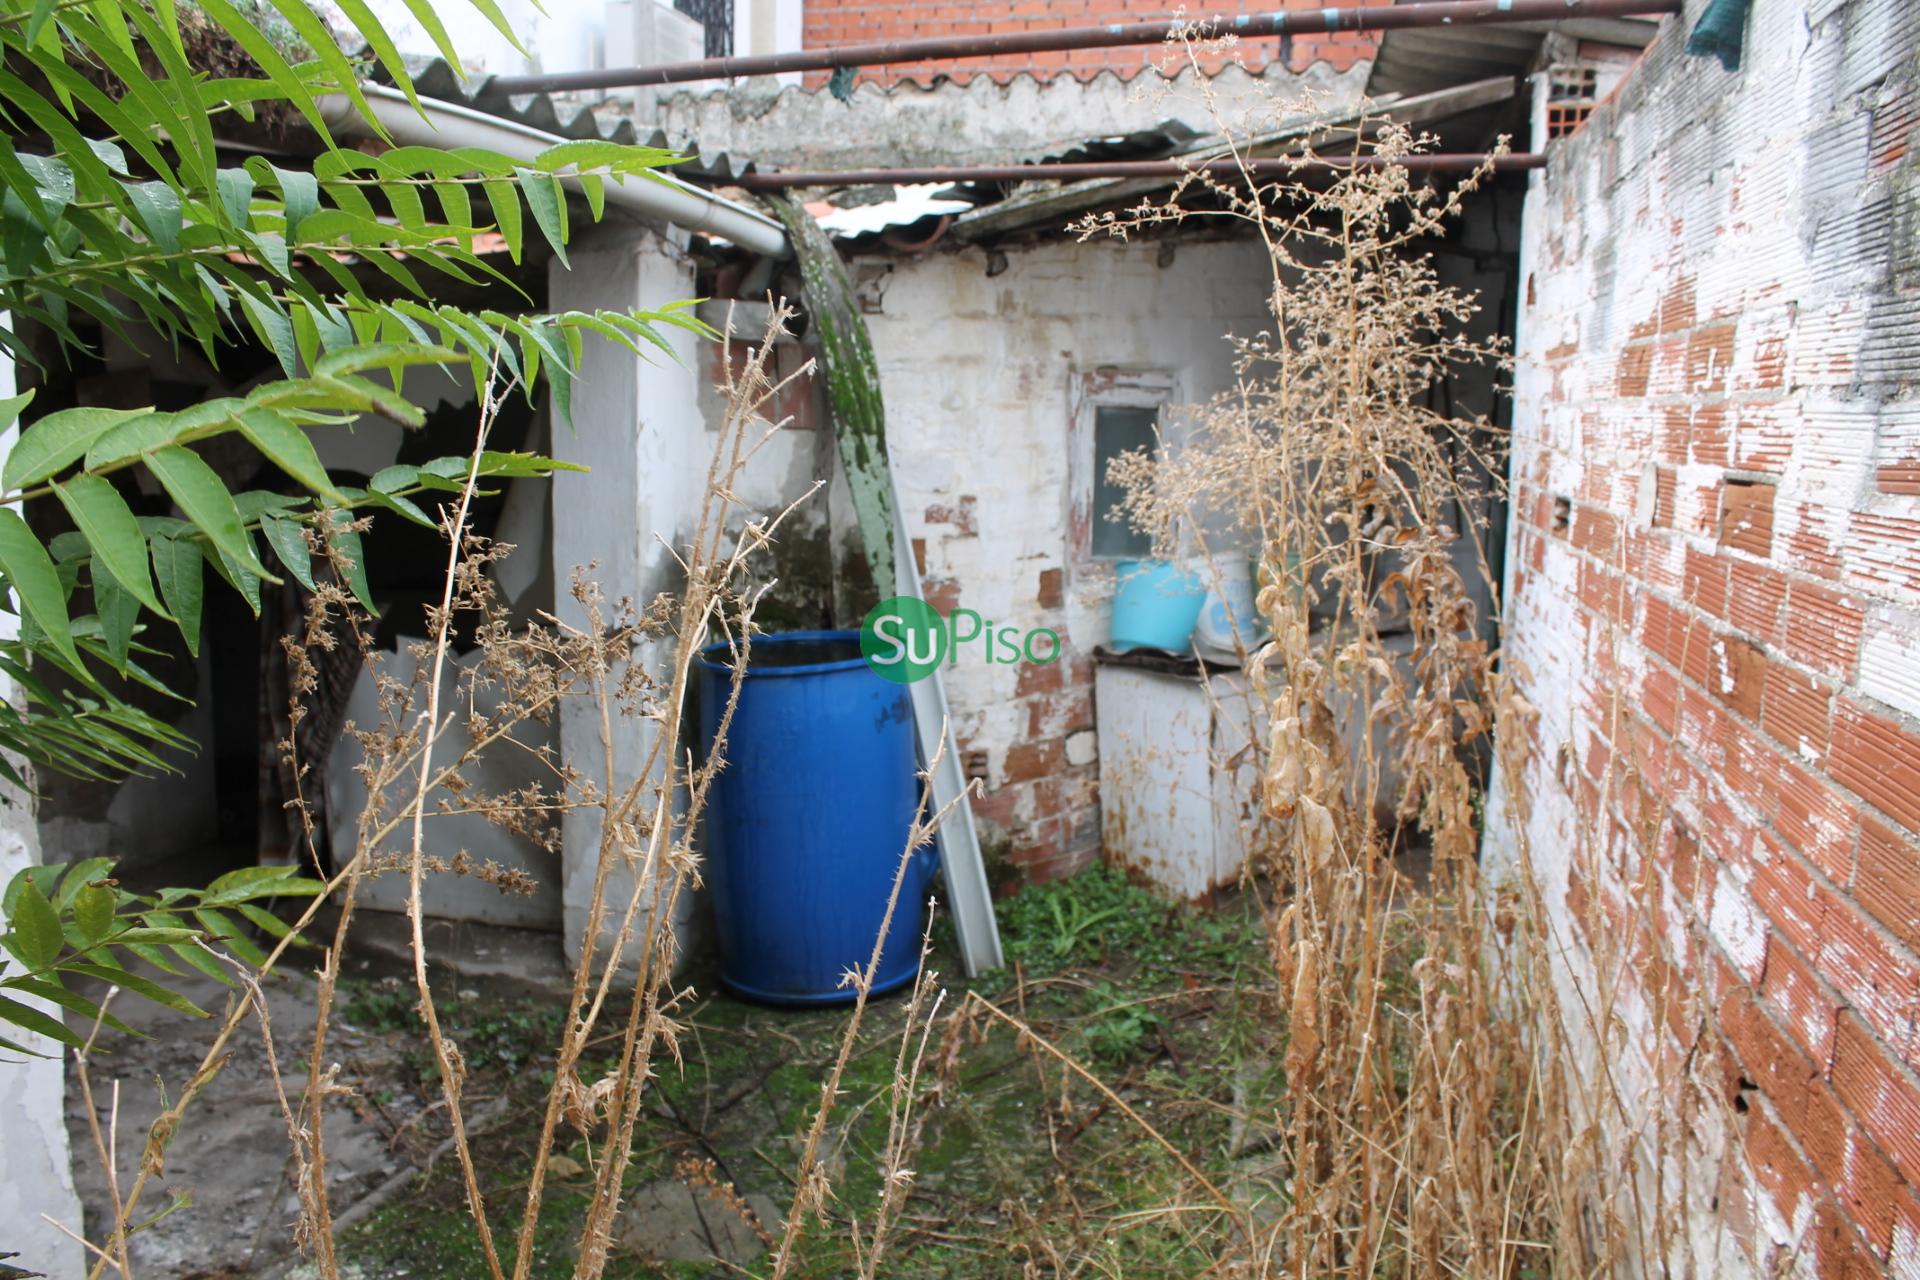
(1714, 584)
(979, 375)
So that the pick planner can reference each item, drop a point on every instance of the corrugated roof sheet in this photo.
(1423, 59)
(566, 117)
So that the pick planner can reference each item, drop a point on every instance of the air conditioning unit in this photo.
(644, 33)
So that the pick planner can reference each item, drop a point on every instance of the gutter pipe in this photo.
(663, 196)
(1303, 21)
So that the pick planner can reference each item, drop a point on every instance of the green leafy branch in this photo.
(117, 214)
(74, 922)
(266, 250)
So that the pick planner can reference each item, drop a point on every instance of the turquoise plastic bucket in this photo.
(1155, 605)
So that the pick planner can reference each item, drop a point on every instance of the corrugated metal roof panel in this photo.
(566, 117)
(1423, 59)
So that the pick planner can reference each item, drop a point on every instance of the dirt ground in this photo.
(1020, 1161)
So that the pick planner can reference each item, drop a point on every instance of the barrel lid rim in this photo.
(810, 669)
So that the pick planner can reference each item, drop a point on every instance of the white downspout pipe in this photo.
(448, 125)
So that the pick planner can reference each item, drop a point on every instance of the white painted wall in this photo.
(37, 1177)
(978, 373)
(560, 35)
(768, 26)
(638, 427)
(566, 37)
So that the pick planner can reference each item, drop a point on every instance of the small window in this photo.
(1118, 429)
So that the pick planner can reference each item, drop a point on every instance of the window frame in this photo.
(1091, 391)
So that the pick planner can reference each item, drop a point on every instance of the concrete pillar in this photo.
(637, 425)
(33, 1115)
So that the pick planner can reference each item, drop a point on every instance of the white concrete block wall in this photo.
(639, 430)
(36, 1175)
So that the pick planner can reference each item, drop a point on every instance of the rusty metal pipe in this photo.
(1297, 22)
(1272, 167)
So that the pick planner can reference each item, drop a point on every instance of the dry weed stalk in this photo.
(811, 1185)
(610, 662)
(1427, 1132)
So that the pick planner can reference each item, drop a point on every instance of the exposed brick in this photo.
(963, 515)
(1821, 1128)
(1596, 532)
(1727, 366)
(1804, 1005)
(1663, 629)
(1778, 1168)
(1756, 598)
(1709, 437)
(1883, 1099)
(1787, 894)
(942, 593)
(1869, 1188)
(1797, 711)
(1706, 582)
(1872, 974)
(1677, 309)
(1902, 476)
(1737, 675)
(1709, 358)
(1660, 699)
(1027, 761)
(1823, 629)
(1633, 371)
(1746, 517)
(1052, 593)
(1903, 1259)
(1886, 880)
(997, 807)
(1812, 817)
(1769, 365)
(1039, 677)
(1839, 1252)
(1768, 1058)
(1763, 437)
(1883, 552)
(1878, 759)
(836, 22)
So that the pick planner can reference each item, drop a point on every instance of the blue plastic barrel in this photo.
(806, 822)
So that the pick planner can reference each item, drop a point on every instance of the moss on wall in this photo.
(839, 339)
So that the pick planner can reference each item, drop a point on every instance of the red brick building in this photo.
(840, 22)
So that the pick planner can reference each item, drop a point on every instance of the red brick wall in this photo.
(1714, 597)
(1042, 801)
(840, 22)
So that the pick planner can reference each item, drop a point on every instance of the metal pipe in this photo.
(1266, 167)
(447, 124)
(1316, 21)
